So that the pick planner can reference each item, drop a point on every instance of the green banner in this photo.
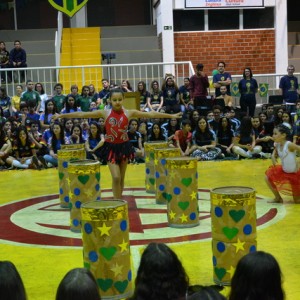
(263, 89)
(234, 89)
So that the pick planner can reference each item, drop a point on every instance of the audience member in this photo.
(16, 100)
(126, 86)
(5, 102)
(44, 97)
(49, 111)
(204, 142)
(183, 138)
(187, 104)
(156, 99)
(59, 97)
(160, 275)
(104, 93)
(248, 88)
(257, 277)
(156, 133)
(222, 79)
(4, 60)
(198, 90)
(31, 95)
(225, 135)
(78, 284)
(171, 96)
(224, 100)
(17, 59)
(206, 293)
(144, 96)
(289, 88)
(11, 284)
(85, 100)
(94, 141)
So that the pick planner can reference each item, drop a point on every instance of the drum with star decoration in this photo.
(72, 146)
(84, 179)
(181, 192)
(160, 156)
(64, 156)
(149, 164)
(106, 246)
(233, 227)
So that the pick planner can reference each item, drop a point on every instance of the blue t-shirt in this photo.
(248, 87)
(222, 77)
(185, 93)
(289, 86)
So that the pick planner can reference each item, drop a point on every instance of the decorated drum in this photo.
(149, 164)
(64, 157)
(106, 246)
(233, 222)
(84, 179)
(181, 190)
(72, 146)
(160, 156)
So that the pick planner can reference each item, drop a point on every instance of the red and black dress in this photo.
(117, 147)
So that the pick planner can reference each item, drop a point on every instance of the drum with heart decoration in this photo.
(84, 179)
(64, 156)
(182, 192)
(149, 164)
(106, 246)
(233, 223)
(160, 156)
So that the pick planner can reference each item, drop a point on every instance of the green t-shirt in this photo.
(31, 96)
(59, 102)
(84, 103)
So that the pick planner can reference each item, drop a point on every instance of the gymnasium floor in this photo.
(35, 236)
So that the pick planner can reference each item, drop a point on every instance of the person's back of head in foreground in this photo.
(11, 284)
(78, 284)
(206, 293)
(161, 275)
(257, 277)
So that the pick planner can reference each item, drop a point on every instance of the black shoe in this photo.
(43, 161)
(35, 162)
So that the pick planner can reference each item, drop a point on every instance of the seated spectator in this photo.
(244, 141)
(156, 99)
(70, 105)
(28, 113)
(224, 99)
(225, 136)
(78, 284)
(11, 284)
(156, 134)
(17, 59)
(55, 141)
(183, 138)
(5, 103)
(16, 100)
(214, 123)
(257, 277)
(85, 100)
(126, 86)
(170, 128)
(143, 130)
(59, 97)
(160, 275)
(144, 96)
(5, 148)
(186, 102)
(93, 93)
(44, 97)
(24, 151)
(74, 92)
(4, 60)
(194, 118)
(76, 135)
(204, 142)
(31, 95)
(68, 125)
(94, 142)
(45, 117)
(135, 139)
(171, 96)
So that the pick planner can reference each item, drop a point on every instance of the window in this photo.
(188, 20)
(222, 19)
(259, 18)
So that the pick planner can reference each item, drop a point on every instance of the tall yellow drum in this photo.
(64, 157)
(160, 156)
(149, 164)
(106, 246)
(84, 178)
(233, 222)
(181, 192)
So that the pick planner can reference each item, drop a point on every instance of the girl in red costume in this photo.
(117, 148)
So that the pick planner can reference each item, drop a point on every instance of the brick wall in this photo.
(239, 49)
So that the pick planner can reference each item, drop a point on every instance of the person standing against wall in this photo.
(222, 78)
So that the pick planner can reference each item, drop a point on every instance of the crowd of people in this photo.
(209, 128)
(161, 276)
